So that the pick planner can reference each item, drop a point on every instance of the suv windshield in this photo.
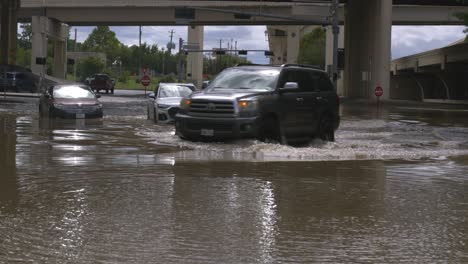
(72, 92)
(174, 91)
(246, 78)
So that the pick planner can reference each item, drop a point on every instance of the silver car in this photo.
(164, 103)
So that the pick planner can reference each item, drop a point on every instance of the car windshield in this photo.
(174, 91)
(73, 92)
(246, 78)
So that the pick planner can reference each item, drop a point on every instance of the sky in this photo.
(406, 40)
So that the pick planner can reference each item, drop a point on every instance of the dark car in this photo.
(101, 81)
(280, 103)
(70, 101)
(17, 81)
(164, 103)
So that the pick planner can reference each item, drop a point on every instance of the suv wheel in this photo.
(325, 130)
(270, 130)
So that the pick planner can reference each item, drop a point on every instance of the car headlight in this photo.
(247, 105)
(185, 104)
(163, 106)
(247, 108)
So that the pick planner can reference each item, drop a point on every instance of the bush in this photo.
(124, 77)
(168, 79)
(89, 66)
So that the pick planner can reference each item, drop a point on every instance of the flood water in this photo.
(392, 188)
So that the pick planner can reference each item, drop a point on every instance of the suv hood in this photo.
(225, 94)
(172, 101)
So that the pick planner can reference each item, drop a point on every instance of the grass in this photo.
(131, 84)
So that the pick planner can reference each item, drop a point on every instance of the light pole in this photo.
(336, 33)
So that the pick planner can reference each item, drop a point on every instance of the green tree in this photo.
(102, 39)
(25, 37)
(312, 48)
(89, 66)
(464, 18)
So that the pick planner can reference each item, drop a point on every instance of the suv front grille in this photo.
(212, 108)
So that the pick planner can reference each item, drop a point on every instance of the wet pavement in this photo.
(392, 188)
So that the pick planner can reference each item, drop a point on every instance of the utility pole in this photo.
(169, 47)
(139, 52)
(336, 33)
(163, 61)
(74, 50)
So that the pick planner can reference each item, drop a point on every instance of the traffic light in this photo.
(269, 53)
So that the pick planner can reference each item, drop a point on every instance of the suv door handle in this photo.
(300, 99)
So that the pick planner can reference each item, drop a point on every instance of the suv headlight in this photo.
(185, 104)
(247, 105)
(247, 108)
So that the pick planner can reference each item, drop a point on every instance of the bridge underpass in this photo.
(439, 75)
(367, 22)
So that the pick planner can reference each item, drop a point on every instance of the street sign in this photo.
(378, 91)
(145, 80)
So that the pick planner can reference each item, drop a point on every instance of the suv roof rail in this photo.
(301, 65)
(252, 64)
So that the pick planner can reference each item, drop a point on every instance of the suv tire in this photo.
(325, 130)
(270, 130)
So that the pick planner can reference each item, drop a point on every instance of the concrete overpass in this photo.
(439, 75)
(367, 37)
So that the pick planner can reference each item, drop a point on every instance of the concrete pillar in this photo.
(59, 69)
(293, 43)
(39, 43)
(4, 31)
(329, 54)
(12, 32)
(195, 59)
(60, 59)
(277, 41)
(367, 47)
(42, 29)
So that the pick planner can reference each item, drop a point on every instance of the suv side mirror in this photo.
(98, 96)
(290, 87)
(151, 95)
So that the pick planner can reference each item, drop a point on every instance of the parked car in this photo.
(164, 103)
(280, 103)
(70, 101)
(17, 81)
(101, 81)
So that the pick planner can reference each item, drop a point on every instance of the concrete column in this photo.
(13, 33)
(59, 69)
(39, 43)
(195, 59)
(4, 31)
(60, 59)
(367, 47)
(329, 54)
(277, 41)
(293, 43)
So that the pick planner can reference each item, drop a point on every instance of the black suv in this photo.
(280, 103)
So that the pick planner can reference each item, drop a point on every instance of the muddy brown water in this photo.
(392, 188)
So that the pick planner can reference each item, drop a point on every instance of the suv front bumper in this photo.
(221, 128)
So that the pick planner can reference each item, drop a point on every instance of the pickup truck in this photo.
(101, 81)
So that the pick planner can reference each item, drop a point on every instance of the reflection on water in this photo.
(123, 190)
(8, 187)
